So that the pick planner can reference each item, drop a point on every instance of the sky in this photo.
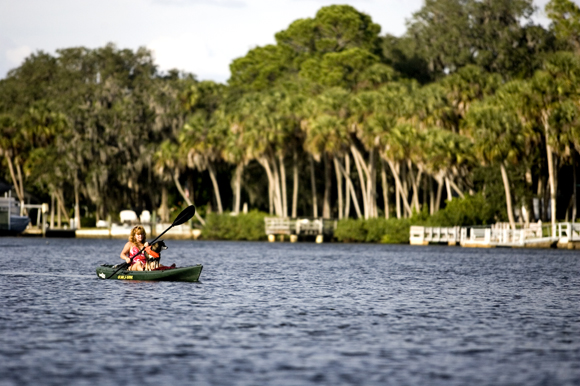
(197, 36)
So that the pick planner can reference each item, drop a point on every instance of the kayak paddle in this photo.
(185, 215)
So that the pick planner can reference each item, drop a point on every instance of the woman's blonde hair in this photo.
(137, 230)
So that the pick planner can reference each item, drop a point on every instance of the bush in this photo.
(350, 230)
(471, 210)
(88, 222)
(245, 226)
(390, 231)
(397, 231)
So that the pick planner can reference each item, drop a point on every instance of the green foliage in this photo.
(401, 53)
(471, 210)
(260, 69)
(335, 28)
(565, 16)
(350, 230)
(88, 222)
(471, 83)
(492, 34)
(245, 226)
(389, 231)
(343, 69)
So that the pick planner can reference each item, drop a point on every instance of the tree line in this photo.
(333, 120)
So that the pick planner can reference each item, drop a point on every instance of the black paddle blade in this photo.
(185, 215)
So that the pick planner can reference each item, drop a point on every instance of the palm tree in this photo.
(327, 138)
(377, 115)
(204, 141)
(168, 165)
(11, 143)
(557, 82)
(500, 137)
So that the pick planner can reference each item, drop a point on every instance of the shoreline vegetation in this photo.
(470, 211)
(469, 118)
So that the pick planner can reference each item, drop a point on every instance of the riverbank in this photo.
(251, 227)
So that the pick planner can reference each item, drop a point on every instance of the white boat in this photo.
(10, 219)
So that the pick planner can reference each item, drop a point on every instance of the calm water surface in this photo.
(290, 314)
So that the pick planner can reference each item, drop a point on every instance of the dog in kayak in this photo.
(153, 255)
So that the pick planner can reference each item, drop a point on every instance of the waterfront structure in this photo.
(567, 235)
(11, 218)
(296, 227)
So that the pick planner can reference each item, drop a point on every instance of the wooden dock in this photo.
(296, 227)
(434, 235)
(567, 235)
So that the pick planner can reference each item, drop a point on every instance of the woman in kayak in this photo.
(134, 245)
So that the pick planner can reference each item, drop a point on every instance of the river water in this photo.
(290, 314)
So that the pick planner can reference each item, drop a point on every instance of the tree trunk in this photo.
(399, 189)
(404, 176)
(448, 186)
(58, 213)
(456, 188)
(295, 185)
(346, 188)
(238, 187)
(182, 192)
(372, 184)
(21, 184)
(163, 207)
(552, 181)
(283, 185)
(398, 199)
(327, 186)
(359, 168)
(277, 192)
(439, 179)
(574, 189)
(338, 187)
(425, 189)
(350, 188)
(14, 180)
(62, 209)
(264, 162)
(431, 197)
(77, 219)
(385, 188)
(51, 209)
(216, 188)
(508, 197)
(528, 203)
(551, 172)
(415, 185)
(313, 185)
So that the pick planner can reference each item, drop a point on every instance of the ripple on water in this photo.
(291, 314)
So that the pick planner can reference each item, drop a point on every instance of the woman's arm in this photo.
(125, 252)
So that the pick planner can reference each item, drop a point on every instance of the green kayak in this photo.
(172, 274)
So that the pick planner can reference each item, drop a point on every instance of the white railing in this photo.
(569, 230)
(293, 226)
(278, 225)
(419, 235)
(496, 235)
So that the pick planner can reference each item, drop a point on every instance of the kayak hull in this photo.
(190, 274)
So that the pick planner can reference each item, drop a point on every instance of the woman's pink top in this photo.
(139, 258)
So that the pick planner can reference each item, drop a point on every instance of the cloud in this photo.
(17, 55)
(217, 3)
(192, 53)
